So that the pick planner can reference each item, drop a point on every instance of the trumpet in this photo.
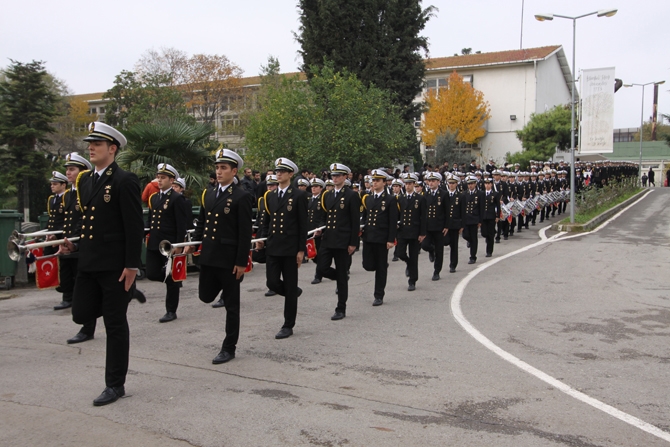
(167, 248)
(15, 249)
(21, 238)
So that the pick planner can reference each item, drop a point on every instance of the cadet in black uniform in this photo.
(412, 231)
(455, 211)
(490, 214)
(380, 220)
(436, 222)
(224, 227)
(314, 218)
(285, 227)
(472, 219)
(56, 213)
(109, 251)
(342, 210)
(168, 220)
(502, 190)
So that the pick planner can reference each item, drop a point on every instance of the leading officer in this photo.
(110, 248)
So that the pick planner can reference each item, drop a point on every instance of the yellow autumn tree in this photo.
(458, 109)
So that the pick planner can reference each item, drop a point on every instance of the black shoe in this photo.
(452, 269)
(299, 292)
(337, 290)
(377, 302)
(316, 280)
(111, 394)
(488, 255)
(411, 287)
(63, 305)
(526, 226)
(511, 233)
(169, 316)
(219, 303)
(270, 293)
(284, 332)
(505, 238)
(431, 256)
(468, 244)
(223, 357)
(472, 261)
(407, 272)
(139, 296)
(80, 337)
(395, 259)
(436, 276)
(532, 223)
(337, 315)
(497, 240)
(541, 220)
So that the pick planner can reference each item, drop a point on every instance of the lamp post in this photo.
(542, 18)
(639, 174)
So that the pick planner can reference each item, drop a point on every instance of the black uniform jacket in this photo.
(380, 217)
(473, 208)
(502, 188)
(436, 210)
(112, 226)
(314, 212)
(56, 212)
(413, 216)
(285, 222)
(342, 216)
(491, 205)
(455, 210)
(168, 218)
(72, 212)
(224, 227)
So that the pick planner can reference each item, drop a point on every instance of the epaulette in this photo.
(49, 203)
(202, 199)
(76, 185)
(149, 201)
(363, 205)
(265, 201)
(323, 204)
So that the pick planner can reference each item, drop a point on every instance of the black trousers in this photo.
(434, 242)
(451, 240)
(488, 233)
(214, 280)
(317, 243)
(470, 234)
(503, 228)
(520, 219)
(156, 263)
(102, 294)
(339, 273)
(375, 259)
(282, 277)
(67, 273)
(411, 258)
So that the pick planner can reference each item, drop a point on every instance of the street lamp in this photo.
(642, 116)
(542, 18)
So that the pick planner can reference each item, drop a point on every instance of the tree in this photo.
(334, 118)
(447, 149)
(70, 127)
(28, 107)
(142, 99)
(377, 40)
(543, 135)
(182, 144)
(458, 109)
(662, 132)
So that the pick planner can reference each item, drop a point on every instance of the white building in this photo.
(515, 83)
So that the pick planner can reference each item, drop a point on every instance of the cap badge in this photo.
(91, 127)
(107, 197)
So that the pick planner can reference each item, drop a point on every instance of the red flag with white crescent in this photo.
(311, 249)
(179, 268)
(46, 272)
(250, 263)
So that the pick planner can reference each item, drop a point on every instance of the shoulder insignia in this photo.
(364, 205)
(76, 185)
(265, 200)
(149, 201)
(202, 198)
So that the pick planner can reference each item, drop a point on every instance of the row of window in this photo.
(94, 110)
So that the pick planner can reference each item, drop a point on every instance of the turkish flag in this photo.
(179, 268)
(37, 252)
(197, 252)
(311, 249)
(510, 218)
(250, 263)
(46, 273)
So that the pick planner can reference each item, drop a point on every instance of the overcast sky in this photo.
(87, 43)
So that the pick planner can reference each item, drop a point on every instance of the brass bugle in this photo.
(167, 248)
(20, 238)
(16, 250)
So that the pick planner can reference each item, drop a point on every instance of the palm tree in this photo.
(185, 146)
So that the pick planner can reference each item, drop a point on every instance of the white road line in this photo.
(456, 310)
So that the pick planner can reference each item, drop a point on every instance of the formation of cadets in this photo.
(415, 212)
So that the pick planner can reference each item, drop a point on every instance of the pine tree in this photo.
(28, 106)
(377, 40)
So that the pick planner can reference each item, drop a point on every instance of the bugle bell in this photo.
(16, 250)
(20, 238)
(167, 248)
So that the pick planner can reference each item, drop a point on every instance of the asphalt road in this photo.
(591, 311)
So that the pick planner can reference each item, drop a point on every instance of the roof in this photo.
(651, 150)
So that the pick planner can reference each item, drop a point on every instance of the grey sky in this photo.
(87, 43)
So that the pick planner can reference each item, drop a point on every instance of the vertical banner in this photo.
(596, 134)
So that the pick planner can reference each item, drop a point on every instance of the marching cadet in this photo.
(396, 187)
(412, 231)
(472, 220)
(224, 227)
(418, 188)
(303, 184)
(168, 220)
(110, 248)
(285, 227)
(259, 255)
(314, 218)
(455, 211)
(436, 222)
(341, 208)
(490, 214)
(55, 211)
(380, 220)
(501, 189)
(522, 194)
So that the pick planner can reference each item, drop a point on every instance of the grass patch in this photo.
(585, 216)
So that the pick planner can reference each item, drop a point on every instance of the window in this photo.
(102, 110)
(93, 111)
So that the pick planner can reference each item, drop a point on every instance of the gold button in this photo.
(90, 237)
(216, 215)
(92, 208)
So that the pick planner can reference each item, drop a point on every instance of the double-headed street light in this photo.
(542, 18)
(642, 115)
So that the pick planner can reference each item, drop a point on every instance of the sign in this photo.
(596, 133)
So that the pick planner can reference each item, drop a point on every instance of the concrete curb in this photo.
(591, 224)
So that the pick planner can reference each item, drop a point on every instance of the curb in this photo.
(591, 224)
